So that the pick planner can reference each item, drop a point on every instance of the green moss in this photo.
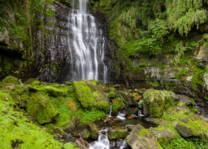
(117, 104)
(159, 146)
(117, 133)
(10, 79)
(144, 133)
(90, 99)
(197, 77)
(85, 116)
(14, 127)
(83, 94)
(112, 95)
(92, 82)
(158, 101)
(40, 108)
(51, 128)
(65, 120)
(87, 135)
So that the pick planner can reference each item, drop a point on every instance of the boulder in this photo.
(130, 127)
(131, 111)
(156, 101)
(66, 121)
(117, 104)
(142, 139)
(140, 104)
(136, 97)
(164, 136)
(192, 127)
(83, 143)
(117, 132)
(41, 109)
(85, 134)
(90, 99)
(185, 100)
(127, 98)
(93, 130)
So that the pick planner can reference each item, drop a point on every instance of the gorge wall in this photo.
(40, 43)
(148, 44)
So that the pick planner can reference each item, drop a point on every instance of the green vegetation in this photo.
(17, 130)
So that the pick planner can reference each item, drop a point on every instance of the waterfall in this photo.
(110, 111)
(86, 45)
(121, 116)
(103, 142)
(140, 113)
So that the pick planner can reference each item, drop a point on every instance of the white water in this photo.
(121, 116)
(110, 111)
(123, 145)
(103, 142)
(140, 113)
(200, 110)
(87, 44)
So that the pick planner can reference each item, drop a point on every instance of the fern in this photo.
(183, 15)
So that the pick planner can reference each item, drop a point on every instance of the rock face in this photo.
(49, 57)
(4, 37)
(139, 139)
(155, 102)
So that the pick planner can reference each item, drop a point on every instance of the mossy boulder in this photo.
(85, 134)
(117, 104)
(117, 132)
(164, 136)
(90, 98)
(140, 104)
(66, 121)
(141, 138)
(41, 109)
(10, 79)
(17, 131)
(156, 101)
(192, 127)
(127, 98)
(112, 95)
(93, 130)
(10, 83)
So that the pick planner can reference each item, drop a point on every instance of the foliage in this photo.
(183, 15)
(84, 115)
(191, 143)
(152, 40)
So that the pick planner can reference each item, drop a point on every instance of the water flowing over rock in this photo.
(87, 44)
(77, 47)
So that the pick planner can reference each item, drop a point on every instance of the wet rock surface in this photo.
(117, 132)
(141, 138)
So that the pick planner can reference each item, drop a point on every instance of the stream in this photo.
(120, 120)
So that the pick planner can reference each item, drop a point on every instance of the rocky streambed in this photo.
(89, 114)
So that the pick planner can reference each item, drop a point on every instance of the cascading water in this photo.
(103, 142)
(87, 45)
(110, 111)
